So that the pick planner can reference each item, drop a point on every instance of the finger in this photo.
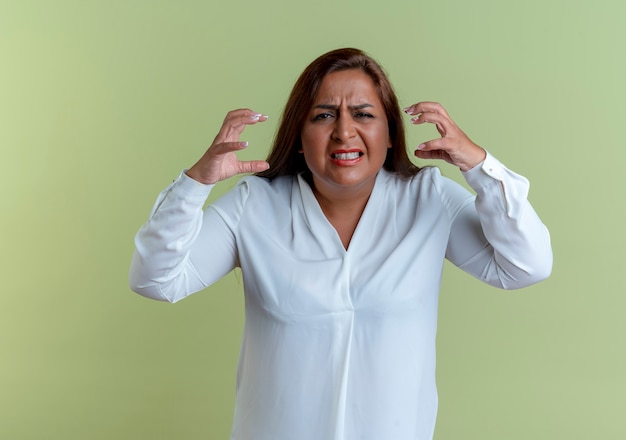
(465, 156)
(441, 122)
(429, 107)
(436, 144)
(245, 116)
(449, 146)
(435, 154)
(410, 110)
(234, 125)
(227, 147)
(253, 166)
(238, 113)
(235, 122)
(435, 149)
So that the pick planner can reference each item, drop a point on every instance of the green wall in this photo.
(102, 103)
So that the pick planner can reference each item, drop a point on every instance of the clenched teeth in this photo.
(347, 156)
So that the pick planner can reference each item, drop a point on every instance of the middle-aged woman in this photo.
(341, 241)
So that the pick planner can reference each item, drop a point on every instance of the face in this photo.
(345, 136)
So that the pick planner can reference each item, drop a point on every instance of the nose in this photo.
(344, 128)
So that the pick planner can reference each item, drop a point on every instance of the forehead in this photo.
(348, 85)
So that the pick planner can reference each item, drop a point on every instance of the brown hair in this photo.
(285, 158)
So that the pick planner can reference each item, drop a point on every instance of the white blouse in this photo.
(340, 344)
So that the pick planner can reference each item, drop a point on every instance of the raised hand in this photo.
(454, 146)
(219, 162)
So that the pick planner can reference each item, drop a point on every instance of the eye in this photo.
(363, 115)
(322, 116)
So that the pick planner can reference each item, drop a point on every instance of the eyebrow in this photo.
(351, 107)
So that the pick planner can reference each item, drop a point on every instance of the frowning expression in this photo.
(345, 136)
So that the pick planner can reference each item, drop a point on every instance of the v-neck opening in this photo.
(320, 225)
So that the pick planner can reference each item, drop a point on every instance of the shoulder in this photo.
(424, 181)
(263, 193)
(252, 195)
(427, 188)
(262, 187)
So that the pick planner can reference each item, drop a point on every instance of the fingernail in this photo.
(256, 117)
(415, 118)
(243, 144)
(420, 146)
(408, 110)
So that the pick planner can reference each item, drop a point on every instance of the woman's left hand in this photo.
(453, 146)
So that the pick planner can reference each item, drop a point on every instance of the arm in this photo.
(499, 238)
(168, 264)
(182, 249)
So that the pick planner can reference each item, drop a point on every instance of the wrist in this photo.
(195, 175)
(476, 158)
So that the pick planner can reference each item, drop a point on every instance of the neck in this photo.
(343, 198)
(343, 207)
(342, 204)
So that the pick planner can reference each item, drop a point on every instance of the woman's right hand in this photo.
(219, 162)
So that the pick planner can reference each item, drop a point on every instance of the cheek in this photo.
(307, 147)
(311, 140)
(382, 137)
(305, 137)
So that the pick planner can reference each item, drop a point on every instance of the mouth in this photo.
(346, 155)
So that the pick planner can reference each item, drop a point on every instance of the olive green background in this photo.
(103, 103)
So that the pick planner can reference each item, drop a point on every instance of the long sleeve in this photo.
(499, 238)
(181, 249)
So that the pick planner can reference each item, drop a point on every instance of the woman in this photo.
(341, 242)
